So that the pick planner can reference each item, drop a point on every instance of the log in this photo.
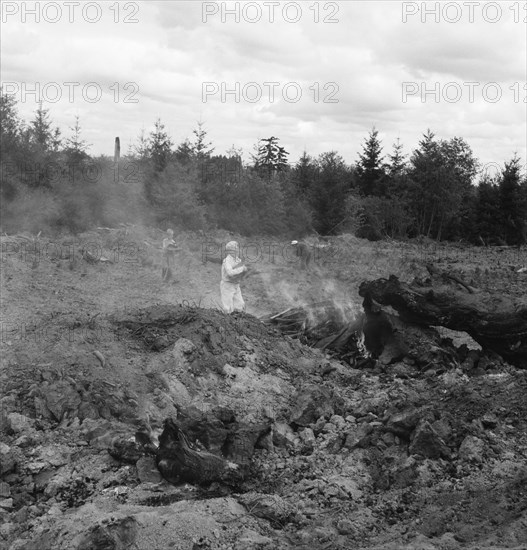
(498, 323)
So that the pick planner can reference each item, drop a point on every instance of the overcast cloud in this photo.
(352, 72)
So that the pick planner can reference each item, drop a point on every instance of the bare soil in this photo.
(393, 456)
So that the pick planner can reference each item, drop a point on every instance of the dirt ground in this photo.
(95, 346)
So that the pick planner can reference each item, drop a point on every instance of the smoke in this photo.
(287, 293)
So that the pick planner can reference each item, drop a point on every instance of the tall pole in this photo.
(116, 158)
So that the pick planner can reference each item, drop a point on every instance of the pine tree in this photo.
(184, 152)
(200, 148)
(76, 147)
(512, 213)
(41, 135)
(271, 158)
(329, 195)
(305, 174)
(10, 125)
(370, 168)
(397, 165)
(440, 179)
(11, 152)
(140, 149)
(159, 147)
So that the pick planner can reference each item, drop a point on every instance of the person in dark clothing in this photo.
(303, 252)
(169, 253)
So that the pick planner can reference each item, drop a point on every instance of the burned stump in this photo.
(496, 322)
(179, 461)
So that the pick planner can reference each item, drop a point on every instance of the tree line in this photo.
(438, 191)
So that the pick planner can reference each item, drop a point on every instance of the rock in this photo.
(8, 403)
(270, 507)
(6, 503)
(61, 399)
(471, 449)
(283, 435)
(427, 442)
(403, 369)
(125, 449)
(240, 443)
(345, 527)
(470, 360)
(7, 459)
(443, 429)
(347, 487)
(332, 442)
(27, 440)
(6, 529)
(338, 421)
(251, 540)
(371, 405)
(177, 391)
(115, 534)
(307, 436)
(147, 471)
(52, 487)
(403, 423)
(181, 351)
(310, 404)
(486, 363)
(19, 423)
(36, 466)
(5, 490)
(404, 473)
(329, 428)
(22, 515)
(489, 421)
(54, 455)
(266, 442)
(99, 433)
(318, 426)
(358, 437)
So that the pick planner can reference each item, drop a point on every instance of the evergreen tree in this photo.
(41, 143)
(304, 175)
(11, 130)
(512, 209)
(370, 168)
(10, 125)
(200, 148)
(328, 197)
(271, 158)
(159, 147)
(184, 152)
(397, 165)
(42, 137)
(140, 149)
(76, 147)
(440, 178)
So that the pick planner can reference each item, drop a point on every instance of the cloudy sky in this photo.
(318, 75)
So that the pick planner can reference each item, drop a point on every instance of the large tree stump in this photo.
(496, 322)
